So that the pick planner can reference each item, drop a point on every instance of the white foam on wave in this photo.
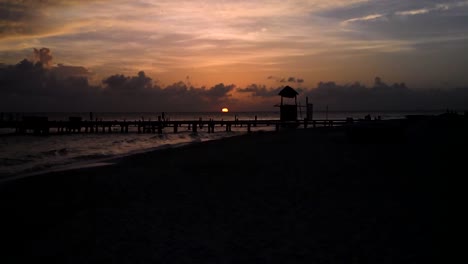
(22, 156)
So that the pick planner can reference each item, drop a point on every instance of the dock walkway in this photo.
(42, 126)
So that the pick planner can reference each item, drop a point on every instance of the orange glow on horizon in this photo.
(225, 110)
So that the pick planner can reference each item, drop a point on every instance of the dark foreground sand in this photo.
(291, 197)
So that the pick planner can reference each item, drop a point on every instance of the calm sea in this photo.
(27, 154)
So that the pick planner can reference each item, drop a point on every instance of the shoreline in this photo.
(245, 199)
(77, 162)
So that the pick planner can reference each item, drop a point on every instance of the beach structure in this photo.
(42, 126)
(288, 107)
(74, 123)
(37, 124)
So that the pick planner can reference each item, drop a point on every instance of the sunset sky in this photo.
(422, 43)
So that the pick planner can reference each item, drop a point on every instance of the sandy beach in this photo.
(297, 196)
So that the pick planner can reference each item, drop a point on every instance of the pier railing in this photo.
(43, 126)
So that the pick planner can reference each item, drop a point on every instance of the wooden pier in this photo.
(42, 126)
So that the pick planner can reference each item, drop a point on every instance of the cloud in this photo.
(219, 91)
(290, 79)
(66, 71)
(211, 19)
(170, 39)
(437, 7)
(43, 56)
(257, 90)
(413, 12)
(30, 86)
(30, 18)
(169, 35)
(364, 18)
(379, 97)
(123, 83)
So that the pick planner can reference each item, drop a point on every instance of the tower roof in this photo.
(288, 92)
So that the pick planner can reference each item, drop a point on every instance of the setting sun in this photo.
(225, 110)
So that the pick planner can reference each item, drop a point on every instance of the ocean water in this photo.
(22, 155)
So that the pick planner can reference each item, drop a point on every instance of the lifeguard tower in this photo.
(288, 107)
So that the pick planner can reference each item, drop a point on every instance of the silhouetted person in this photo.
(91, 116)
(367, 117)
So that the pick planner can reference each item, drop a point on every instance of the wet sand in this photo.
(305, 196)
